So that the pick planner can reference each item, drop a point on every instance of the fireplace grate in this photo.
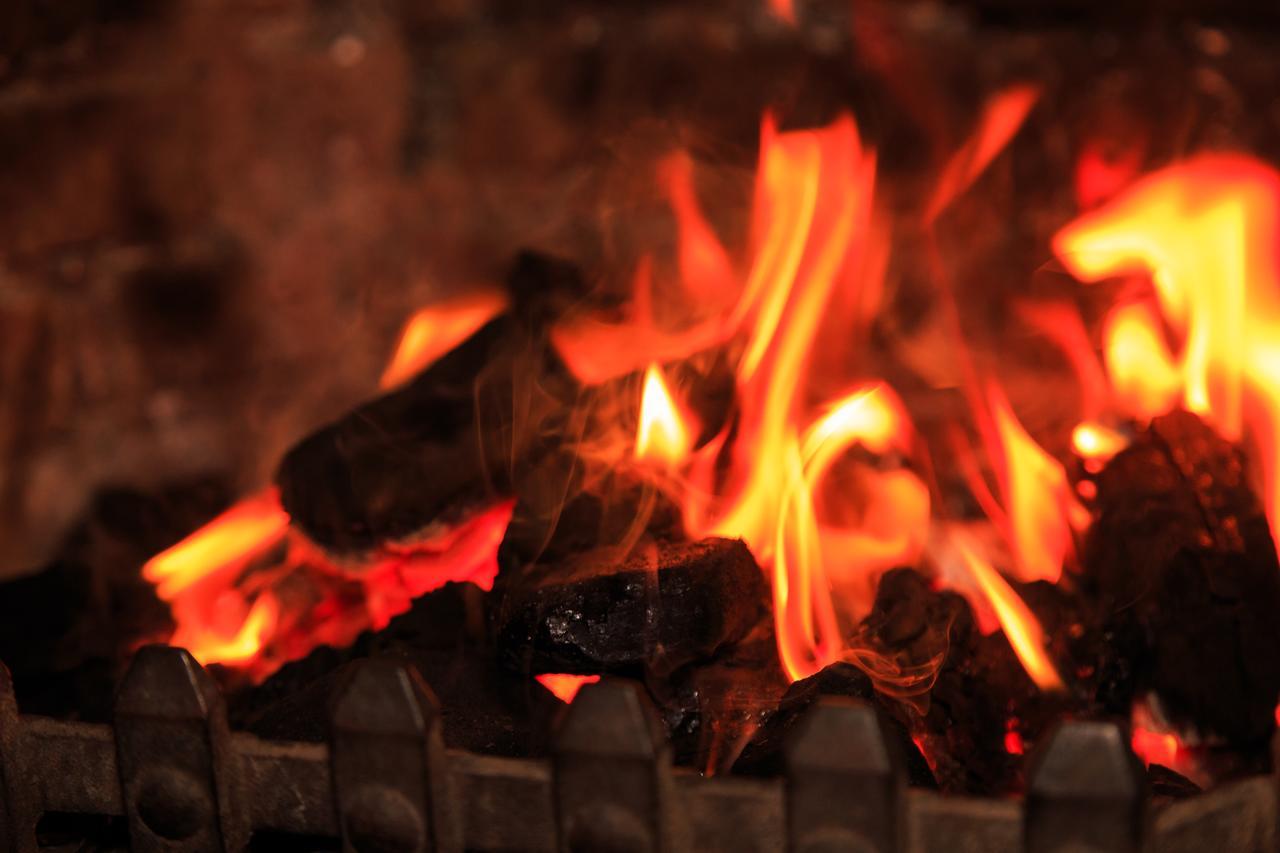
(182, 780)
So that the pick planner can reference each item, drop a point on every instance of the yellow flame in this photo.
(249, 528)
(1019, 624)
(662, 433)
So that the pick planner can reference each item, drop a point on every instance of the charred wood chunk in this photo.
(446, 442)
(1184, 568)
(661, 605)
(763, 754)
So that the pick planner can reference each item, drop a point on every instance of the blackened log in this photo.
(662, 605)
(1183, 567)
(450, 441)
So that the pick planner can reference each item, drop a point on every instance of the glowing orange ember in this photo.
(565, 686)
(784, 9)
(245, 531)
(435, 330)
(1019, 624)
(662, 434)
(1097, 443)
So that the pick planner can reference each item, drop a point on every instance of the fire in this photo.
(564, 685)
(1145, 380)
(243, 532)
(1039, 506)
(433, 331)
(662, 433)
(1205, 233)
(1019, 624)
(1000, 120)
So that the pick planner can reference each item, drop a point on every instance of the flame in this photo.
(1205, 231)
(661, 434)
(564, 685)
(207, 645)
(1019, 624)
(225, 615)
(808, 632)
(247, 530)
(1039, 506)
(1101, 174)
(1000, 120)
(436, 329)
(705, 270)
(1145, 380)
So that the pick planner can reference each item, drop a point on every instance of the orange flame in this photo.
(1145, 381)
(1039, 507)
(807, 627)
(1206, 232)
(1000, 120)
(705, 269)
(1018, 622)
(436, 329)
(243, 532)
(564, 685)
(661, 434)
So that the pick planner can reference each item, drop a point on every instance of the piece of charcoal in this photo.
(763, 756)
(1183, 568)
(449, 441)
(712, 708)
(660, 606)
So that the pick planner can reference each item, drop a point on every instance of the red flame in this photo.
(564, 685)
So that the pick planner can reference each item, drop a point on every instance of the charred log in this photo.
(1183, 567)
(446, 443)
(662, 605)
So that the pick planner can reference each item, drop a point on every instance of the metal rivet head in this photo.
(173, 804)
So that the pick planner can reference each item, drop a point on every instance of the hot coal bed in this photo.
(480, 612)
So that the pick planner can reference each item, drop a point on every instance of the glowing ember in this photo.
(1019, 624)
(564, 685)
(1013, 742)
(241, 533)
(435, 330)
(662, 434)
(1097, 443)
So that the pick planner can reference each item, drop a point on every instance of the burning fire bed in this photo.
(885, 460)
